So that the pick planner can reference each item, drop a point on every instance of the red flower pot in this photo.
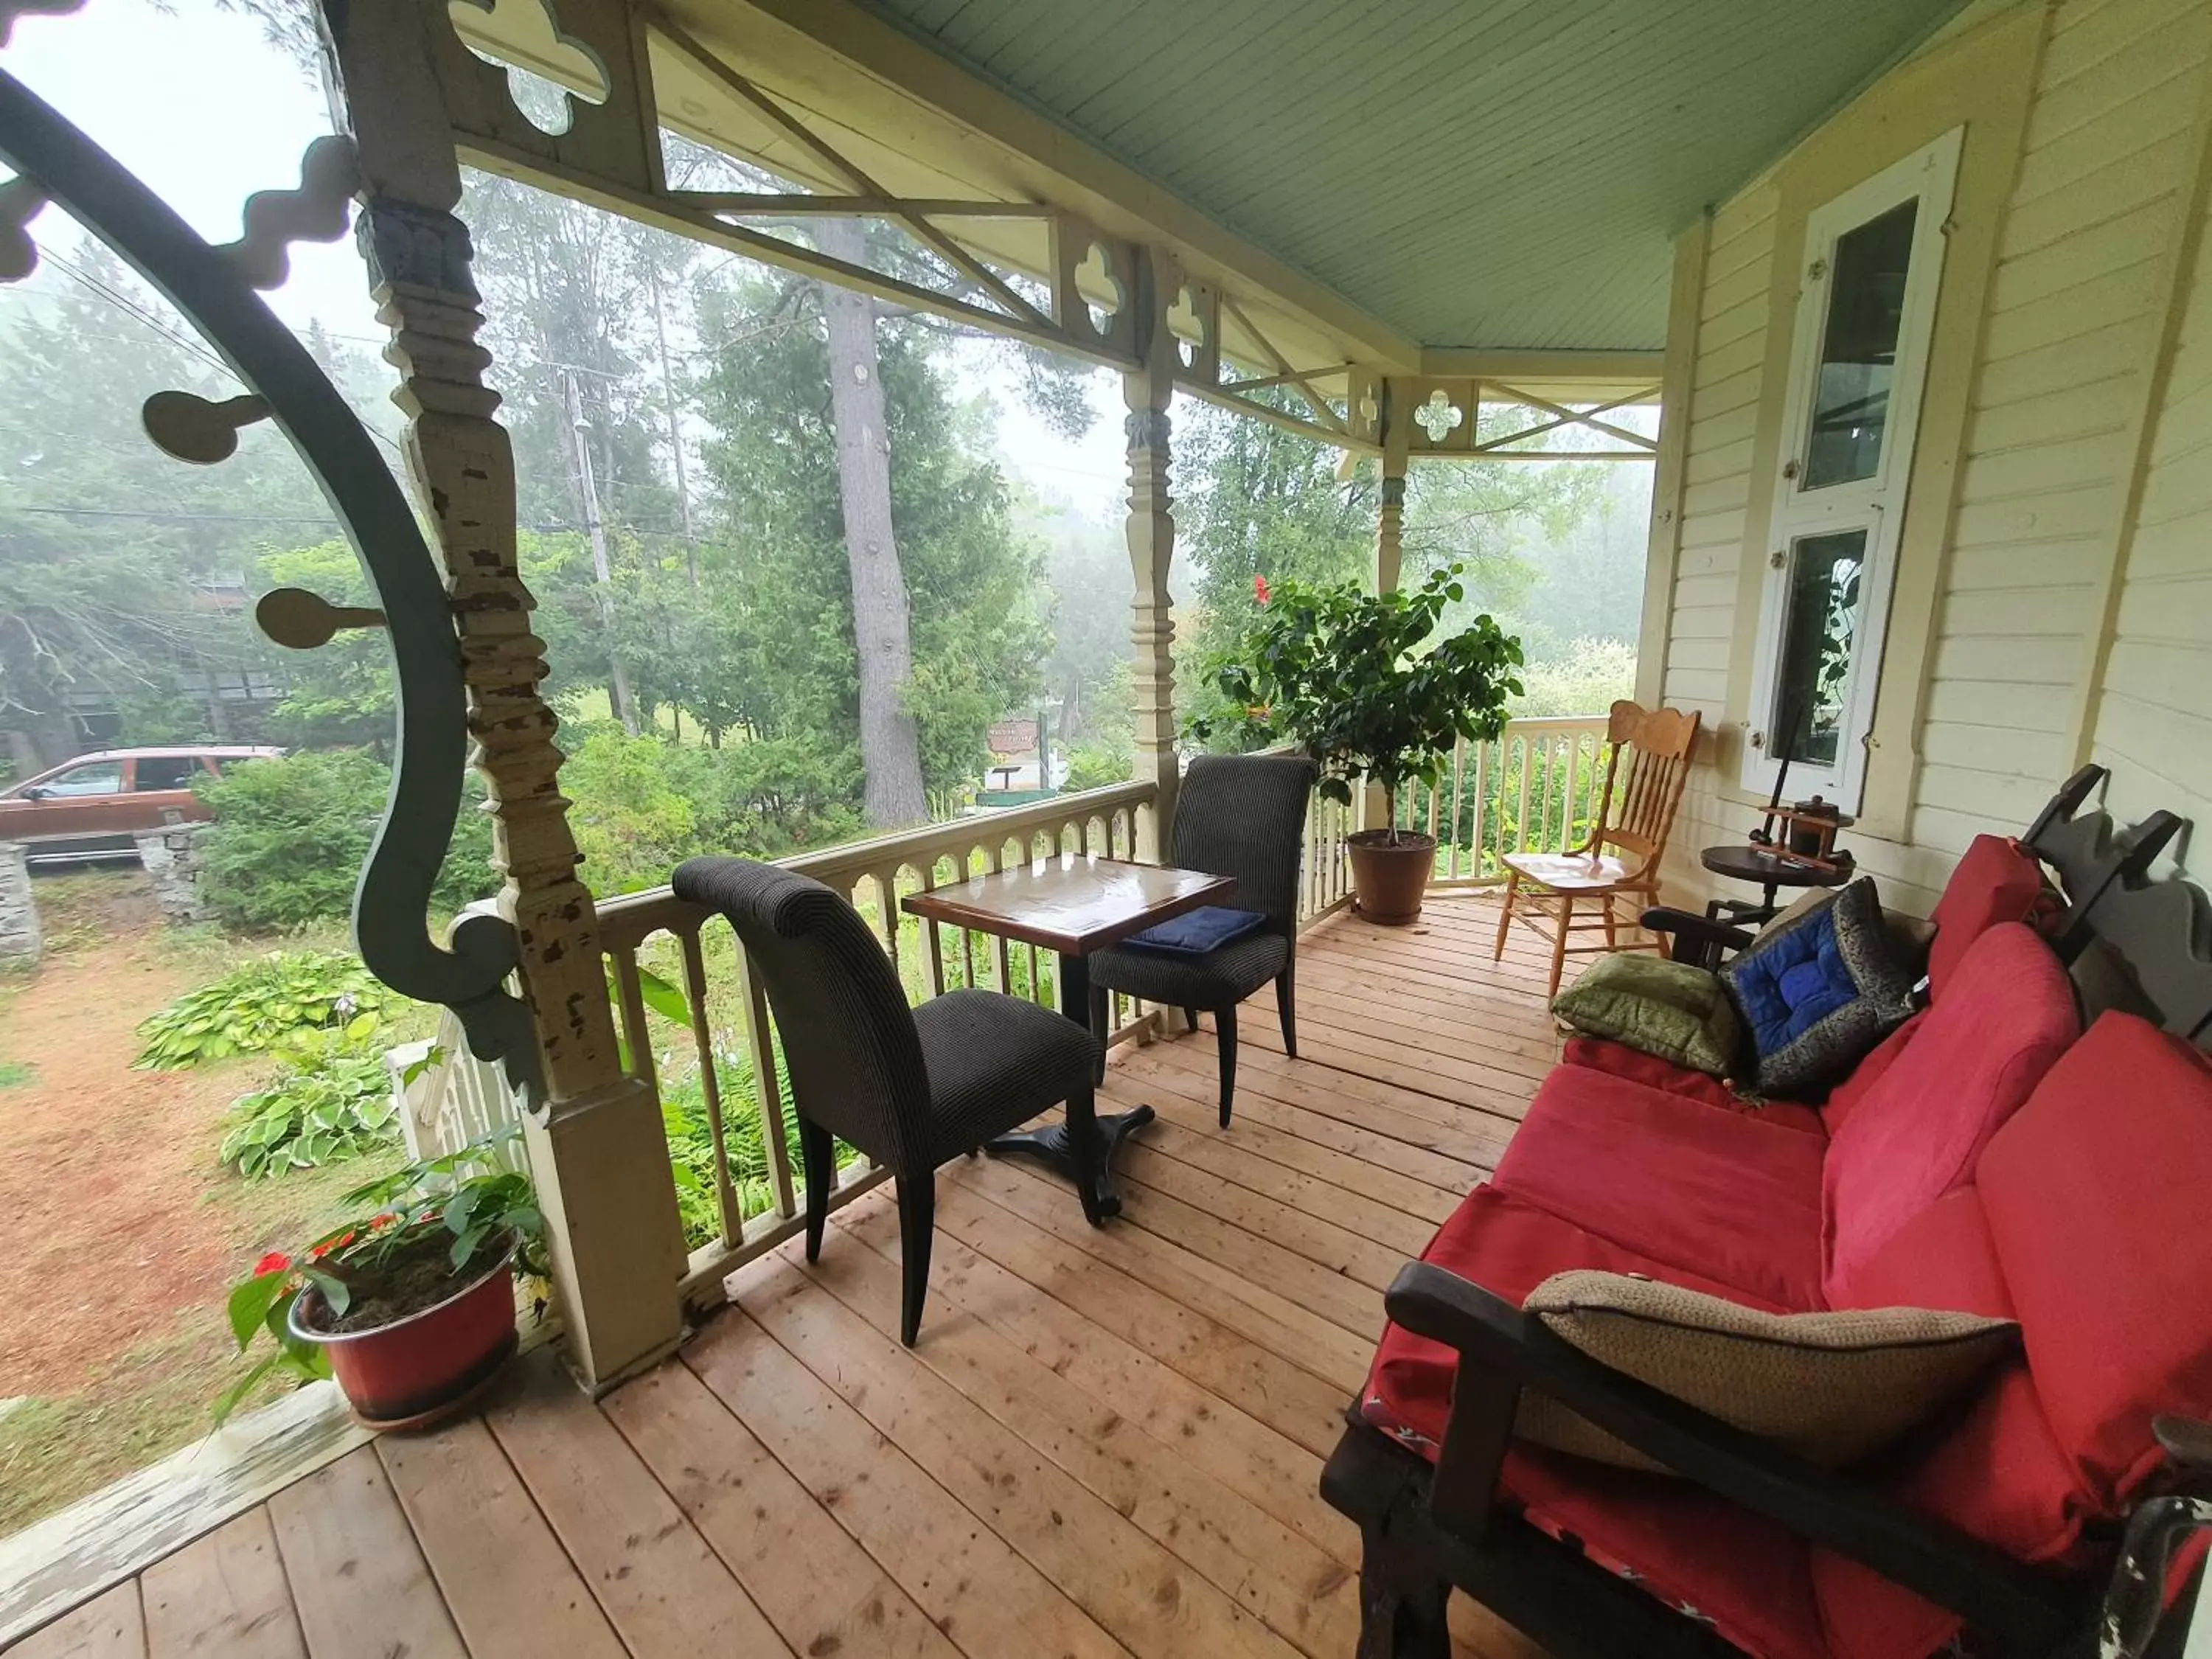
(420, 1370)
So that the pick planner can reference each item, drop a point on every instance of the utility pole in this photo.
(595, 531)
(675, 425)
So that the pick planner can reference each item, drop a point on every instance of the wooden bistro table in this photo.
(1767, 869)
(1073, 905)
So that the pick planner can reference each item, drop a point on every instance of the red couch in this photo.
(1989, 1158)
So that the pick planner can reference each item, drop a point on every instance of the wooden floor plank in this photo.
(512, 1590)
(223, 1595)
(978, 1591)
(1470, 1134)
(820, 1590)
(1311, 1179)
(359, 1582)
(1379, 1146)
(1333, 1295)
(1080, 1319)
(1157, 1607)
(1254, 1310)
(1301, 1591)
(111, 1625)
(1336, 1249)
(660, 1586)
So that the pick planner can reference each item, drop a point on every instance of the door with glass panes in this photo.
(1873, 263)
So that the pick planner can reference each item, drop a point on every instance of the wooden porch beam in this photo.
(667, 213)
(1567, 416)
(783, 204)
(966, 262)
(841, 48)
(1323, 415)
(1267, 380)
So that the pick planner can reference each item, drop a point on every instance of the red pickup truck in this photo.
(91, 805)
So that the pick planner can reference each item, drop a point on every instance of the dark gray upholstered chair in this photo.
(1241, 816)
(913, 1087)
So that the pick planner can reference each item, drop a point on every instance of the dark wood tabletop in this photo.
(1073, 905)
(1763, 865)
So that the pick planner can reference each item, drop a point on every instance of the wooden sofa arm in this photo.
(1510, 1350)
(1698, 940)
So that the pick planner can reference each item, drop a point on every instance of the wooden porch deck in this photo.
(1108, 1442)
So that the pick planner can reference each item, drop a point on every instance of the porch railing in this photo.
(1536, 788)
(697, 1024)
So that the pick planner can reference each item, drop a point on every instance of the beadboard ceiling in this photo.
(1492, 173)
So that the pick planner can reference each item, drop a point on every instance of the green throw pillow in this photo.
(1665, 1008)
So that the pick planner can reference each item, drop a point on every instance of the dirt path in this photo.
(106, 1240)
(119, 1230)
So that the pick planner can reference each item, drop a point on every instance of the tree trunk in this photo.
(890, 746)
(620, 700)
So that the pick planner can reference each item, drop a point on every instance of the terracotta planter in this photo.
(420, 1370)
(1389, 876)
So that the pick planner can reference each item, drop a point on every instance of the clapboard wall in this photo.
(2054, 596)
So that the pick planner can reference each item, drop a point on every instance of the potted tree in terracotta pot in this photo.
(410, 1304)
(1354, 679)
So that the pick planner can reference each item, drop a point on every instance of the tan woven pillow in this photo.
(1830, 1387)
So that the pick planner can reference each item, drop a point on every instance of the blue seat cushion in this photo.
(1817, 991)
(1198, 932)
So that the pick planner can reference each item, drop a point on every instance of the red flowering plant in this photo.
(423, 1231)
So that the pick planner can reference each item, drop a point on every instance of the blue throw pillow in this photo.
(1817, 992)
(1196, 932)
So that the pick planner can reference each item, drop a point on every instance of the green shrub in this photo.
(336, 1104)
(270, 1003)
(289, 836)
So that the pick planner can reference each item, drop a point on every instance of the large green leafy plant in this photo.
(1352, 677)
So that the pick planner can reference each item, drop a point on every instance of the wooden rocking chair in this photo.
(1620, 860)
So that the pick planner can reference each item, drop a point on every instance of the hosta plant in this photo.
(335, 1102)
(267, 1004)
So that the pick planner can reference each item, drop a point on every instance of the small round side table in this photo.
(1764, 868)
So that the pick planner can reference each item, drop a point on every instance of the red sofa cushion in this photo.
(1997, 880)
(1996, 1473)
(1747, 1577)
(1721, 1194)
(1603, 1055)
(1846, 1094)
(1916, 1133)
(2096, 1195)
(1508, 1247)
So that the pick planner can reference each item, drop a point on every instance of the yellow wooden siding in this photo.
(2154, 725)
(2075, 317)
(1716, 454)
(2051, 449)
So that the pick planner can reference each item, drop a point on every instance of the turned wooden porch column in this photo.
(598, 1151)
(1151, 526)
(1390, 512)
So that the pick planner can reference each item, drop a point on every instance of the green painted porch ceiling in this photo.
(1476, 173)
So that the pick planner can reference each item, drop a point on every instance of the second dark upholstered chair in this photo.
(913, 1087)
(1241, 816)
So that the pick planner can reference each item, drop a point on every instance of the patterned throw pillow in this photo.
(1669, 1009)
(1817, 993)
(1830, 1387)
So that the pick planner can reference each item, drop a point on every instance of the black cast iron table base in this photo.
(1051, 1145)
